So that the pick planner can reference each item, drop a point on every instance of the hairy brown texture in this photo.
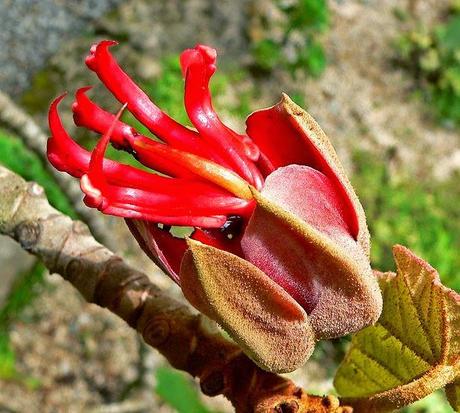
(261, 317)
(350, 297)
(67, 247)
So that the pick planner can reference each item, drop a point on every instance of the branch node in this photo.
(28, 234)
(213, 384)
(34, 189)
(330, 402)
(80, 228)
(287, 407)
(157, 331)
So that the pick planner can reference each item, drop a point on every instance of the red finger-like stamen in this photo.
(136, 203)
(66, 155)
(95, 175)
(198, 66)
(158, 156)
(101, 61)
(128, 212)
(163, 203)
(208, 170)
(241, 142)
(91, 116)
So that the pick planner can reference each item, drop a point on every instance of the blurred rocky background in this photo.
(382, 77)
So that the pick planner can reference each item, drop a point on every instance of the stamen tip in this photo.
(93, 196)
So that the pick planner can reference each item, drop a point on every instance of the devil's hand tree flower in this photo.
(279, 251)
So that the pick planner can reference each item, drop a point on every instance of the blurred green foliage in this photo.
(167, 91)
(432, 56)
(434, 403)
(178, 391)
(25, 289)
(423, 216)
(295, 42)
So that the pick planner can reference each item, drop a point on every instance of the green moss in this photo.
(44, 88)
(299, 46)
(432, 57)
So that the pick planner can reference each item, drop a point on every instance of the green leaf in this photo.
(178, 391)
(453, 394)
(414, 347)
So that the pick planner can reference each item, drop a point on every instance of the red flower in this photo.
(279, 251)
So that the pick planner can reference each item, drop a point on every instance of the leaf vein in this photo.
(384, 366)
(420, 317)
(410, 346)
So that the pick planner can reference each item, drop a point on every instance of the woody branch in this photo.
(66, 247)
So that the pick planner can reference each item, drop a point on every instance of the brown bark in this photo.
(67, 247)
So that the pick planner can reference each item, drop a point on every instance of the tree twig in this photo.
(67, 247)
(15, 119)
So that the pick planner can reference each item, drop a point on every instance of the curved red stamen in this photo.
(88, 114)
(101, 61)
(152, 154)
(66, 155)
(93, 117)
(95, 176)
(198, 65)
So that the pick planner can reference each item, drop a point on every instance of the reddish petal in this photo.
(198, 66)
(287, 135)
(298, 236)
(161, 246)
(101, 61)
(309, 195)
(279, 140)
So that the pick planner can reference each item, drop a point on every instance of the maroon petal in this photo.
(298, 236)
(162, 247)
(286, 135)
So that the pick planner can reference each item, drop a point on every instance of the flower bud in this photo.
(279, 253)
